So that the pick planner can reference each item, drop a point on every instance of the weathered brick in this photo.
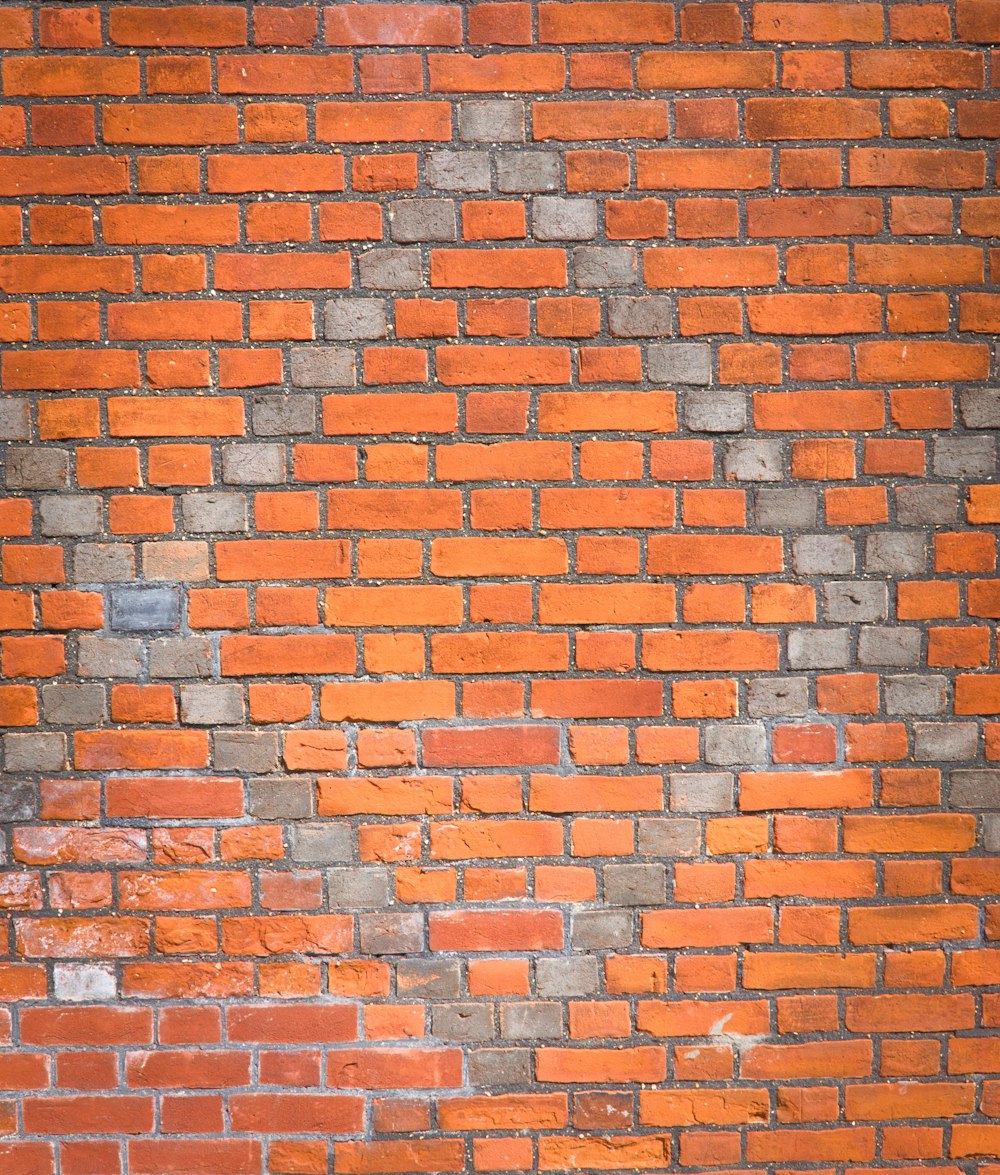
(433, 694)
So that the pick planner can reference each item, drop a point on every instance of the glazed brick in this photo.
(498, 568)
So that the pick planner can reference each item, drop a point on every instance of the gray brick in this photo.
(360, 885)
(889, 646)
(926, 505)
(991, 833)
(252, 751)
(562, 218)
(701, 791)
(491, 120)
(717, 411)
(791, 509)
(747, 460)
(139, 609)
(391, 934)
(857, 601)
(965, 457)
(175, 561)
(214, 513)
(489, 1067)
(976, 788)
(322, 367)
(172, 657)
(281, 798)
(819, 648)
(276, 416)
(566, 977)
(635, 885)
(681, 363)
(823, 554)
(15, 420)
(212, 705)
(70, 514)
(73, 705)
(391, 269)
(429, 979)
(83, 982)
(895, 553)
(776, 697)
(669, 838)
(601, 929)
(950, 742)
(18, 801)
(459, 171)
(736, 745)
(37, 469)
(321, 843)
(99, 656)
(528, 171)
(916, 693)
(637, 318)
(979, 407)
(422, 220)
(253, 464)
(37, 751)
(462, 1022)
(350, 319)
(534, 1020)
(596, 266)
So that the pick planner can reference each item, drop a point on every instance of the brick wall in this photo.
(498, 591)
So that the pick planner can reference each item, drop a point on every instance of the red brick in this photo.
(697, 1017)
(513, 551)
(694, 651)
(644, 1063)
(584, 22)
(878, 69)
(917, 167)
(704, 555)
(392, 1068)
(776, 119)
(519, 72)
(281, 173)
(403, 24)
(359, 122)
(136, 749)
(689, 169)
(687, 267)
(190, 25)
(376, 1158)
(490, 746)
(706, 927)
(850, 1143)
(282, 559)
(850, 788)
(64, 76)
(685, 69)
(496, 930)
(903, 924)
(783, 21)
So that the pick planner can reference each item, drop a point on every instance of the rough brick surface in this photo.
(499, 578)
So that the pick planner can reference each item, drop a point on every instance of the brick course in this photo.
(498, 585)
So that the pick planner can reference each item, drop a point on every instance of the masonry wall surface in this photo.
(499, 588)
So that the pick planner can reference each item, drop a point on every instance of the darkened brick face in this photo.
(499, 508)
